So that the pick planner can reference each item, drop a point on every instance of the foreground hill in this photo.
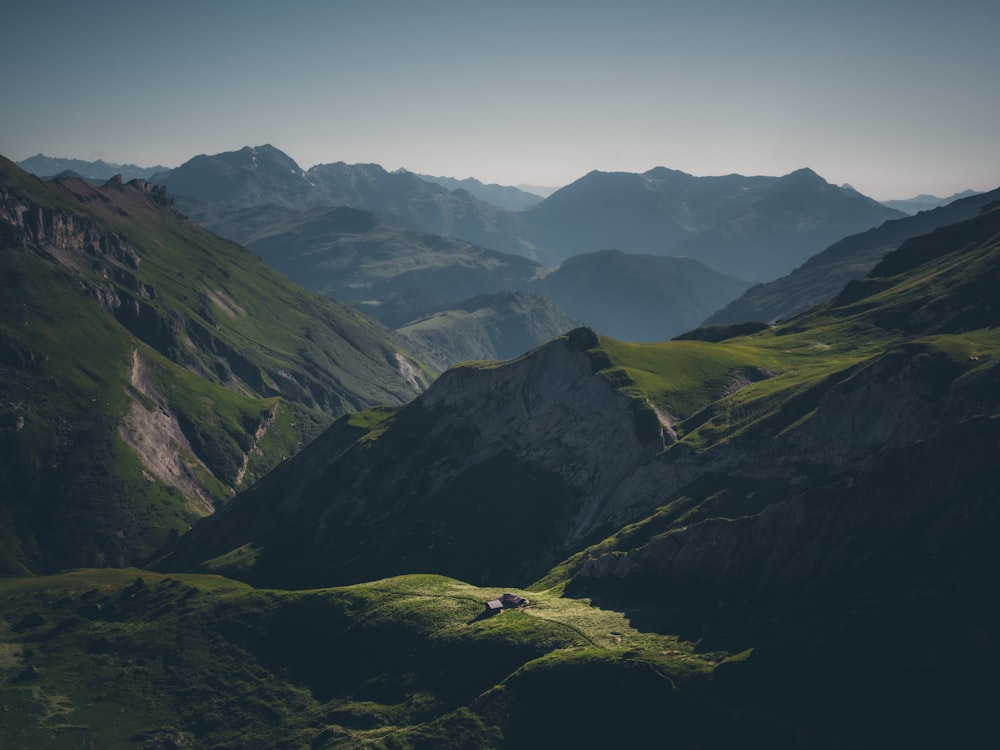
(150, 369)
(825, 274)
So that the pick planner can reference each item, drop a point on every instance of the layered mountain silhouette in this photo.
(489, 326)
(925, 202)
(49, 166)
(637, 297)
(150, 369)
(754, 228)
(502, 196)
(748, 228)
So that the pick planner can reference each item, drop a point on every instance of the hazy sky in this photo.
(894, 97)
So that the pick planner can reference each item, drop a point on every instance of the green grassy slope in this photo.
(126, 657)
(149, 369)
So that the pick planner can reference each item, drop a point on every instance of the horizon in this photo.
(891, 99)
(521, 186)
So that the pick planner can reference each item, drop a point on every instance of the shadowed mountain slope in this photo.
(825, 274)
(637, 297)
(150, 368)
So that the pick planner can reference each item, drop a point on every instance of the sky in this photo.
(895, 97)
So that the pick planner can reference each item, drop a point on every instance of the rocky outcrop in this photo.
(30, 224)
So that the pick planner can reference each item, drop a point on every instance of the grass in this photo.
(229, 343)
(125, 653)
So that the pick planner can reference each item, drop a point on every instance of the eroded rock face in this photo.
(36, 225)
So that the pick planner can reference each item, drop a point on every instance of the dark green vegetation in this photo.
(130, 659)
(148, 369)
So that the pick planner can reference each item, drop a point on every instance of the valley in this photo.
(237, 513)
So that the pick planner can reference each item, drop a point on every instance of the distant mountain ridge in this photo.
(50, 166)
(503, 196)
(754, 228)
(926, 202)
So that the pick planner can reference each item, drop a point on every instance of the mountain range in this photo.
(502, 196)
(754, 228)
(926, 202)
(751, 536)
(49, 166)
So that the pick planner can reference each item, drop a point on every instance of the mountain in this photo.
(924, 202)
(392, 273)
(502, 196)
(824, 274)
(491, 326)
(208, 188)
(249, 177)
(150, 369)
(780, 539)
(401, 277)
(791, 219)
(50, 166)
(754, 228)
(637, 297)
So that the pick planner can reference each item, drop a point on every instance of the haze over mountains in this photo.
(752, 228)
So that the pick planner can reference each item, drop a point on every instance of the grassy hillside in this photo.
(126, 658)
(149, 369)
